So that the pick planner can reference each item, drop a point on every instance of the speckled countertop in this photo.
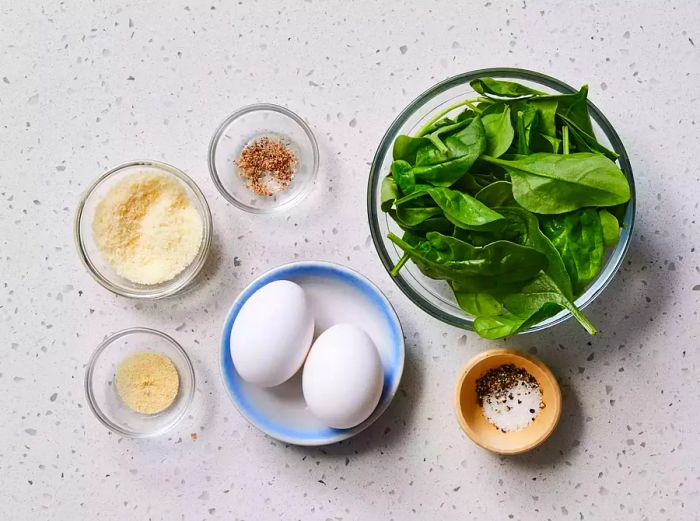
(84, 86)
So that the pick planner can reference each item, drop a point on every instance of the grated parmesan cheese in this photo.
(147, 228)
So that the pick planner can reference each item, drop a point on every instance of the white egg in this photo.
(343, 377)
(272, 334)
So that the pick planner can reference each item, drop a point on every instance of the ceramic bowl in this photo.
(480, 430)
(336, 295)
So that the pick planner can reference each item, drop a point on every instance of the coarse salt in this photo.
(510, 397)
(516, 409)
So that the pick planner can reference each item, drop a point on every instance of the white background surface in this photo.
(84, 86)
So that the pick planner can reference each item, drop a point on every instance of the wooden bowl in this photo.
(480, 430)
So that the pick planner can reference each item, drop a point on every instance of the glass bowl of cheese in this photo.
(143, 229)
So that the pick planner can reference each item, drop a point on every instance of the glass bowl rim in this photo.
(389, 136)
(177, 283)
(260, 107)
(92, 402)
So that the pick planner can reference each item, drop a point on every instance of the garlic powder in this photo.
(147, 382)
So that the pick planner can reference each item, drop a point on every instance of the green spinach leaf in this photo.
(464, 210)
(406, 147)
(578, 236)
(413, 216)
(526, 230)
(447, 258)
(544, 143)
(574, 107)
(538, 298)
(498, 128)
(478, 304)
(389, 193)
(527, 125)
(402, 173)
(611, 228)
(586, 142)
(498, 193)
(553, 184)
(502, 88)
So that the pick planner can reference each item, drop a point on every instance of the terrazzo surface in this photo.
(84, 86)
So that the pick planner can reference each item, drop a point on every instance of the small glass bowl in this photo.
(99, 267)
(243, 127)
(435, 296)
(101, 391)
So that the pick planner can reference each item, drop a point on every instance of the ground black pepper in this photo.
(500, 388)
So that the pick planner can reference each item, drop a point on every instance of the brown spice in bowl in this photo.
(267, 165)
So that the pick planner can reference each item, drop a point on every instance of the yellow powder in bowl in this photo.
(147, 228)
(147, 382)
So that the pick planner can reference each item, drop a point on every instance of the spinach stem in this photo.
(437, 143)
(440, 115)
(590, 328)
(565, 138)
(399, 265)
(473, 107)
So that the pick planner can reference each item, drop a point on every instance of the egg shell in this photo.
(272, 333)
(343, 376)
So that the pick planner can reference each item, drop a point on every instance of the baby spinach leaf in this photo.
(431, 224)
(498, 128)
(611, 228)
(578, 236)
(435, 136)
(527, 230)
(537, 298)
(478, 304)
(444, 257)
(546, 108)
(498, 193)
(544, 143)
(463, 149)
(574, 107)
(553, 184)
(437, 124)
(481, 238)
(464, 210)
(406, 147)
(389, 193)
(466, 114)
(526, 123)
(586, 142)
(402, 173)
(502, 88)
(540, 292)
(413, 216)
(497, 326)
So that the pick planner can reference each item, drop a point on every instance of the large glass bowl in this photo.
(435, 296)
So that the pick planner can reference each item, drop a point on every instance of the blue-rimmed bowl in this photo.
(336, 295)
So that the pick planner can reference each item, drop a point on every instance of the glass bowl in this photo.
(100, 268)
(102, 395)
(245, 126)
(434, 296)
